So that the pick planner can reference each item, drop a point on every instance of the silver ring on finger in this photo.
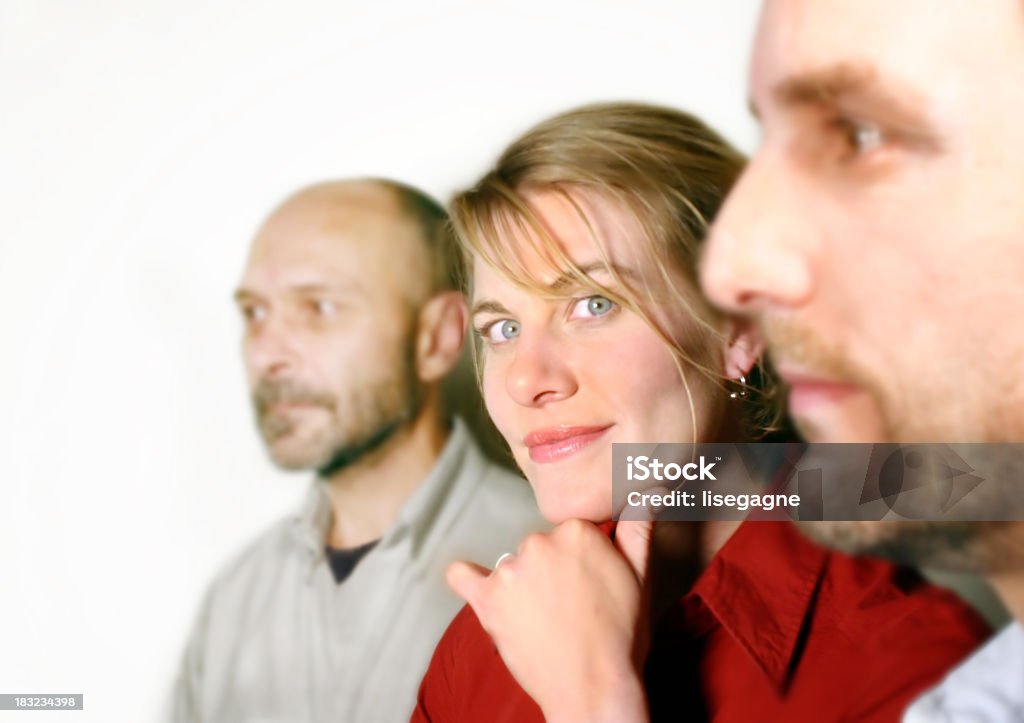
(506, 556)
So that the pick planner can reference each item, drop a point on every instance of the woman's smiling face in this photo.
(565, 374)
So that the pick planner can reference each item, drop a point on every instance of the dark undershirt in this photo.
(343, 562)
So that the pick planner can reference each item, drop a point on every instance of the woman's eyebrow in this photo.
(489, 306)
(568, 280)
(565, 281)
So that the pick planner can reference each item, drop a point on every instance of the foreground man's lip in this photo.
(555, 443)
(808, 391)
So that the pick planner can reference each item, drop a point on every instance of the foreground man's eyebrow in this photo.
(852, 82)
(824, 84)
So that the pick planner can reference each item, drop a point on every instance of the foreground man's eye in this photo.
(859, 137)
(866, 137)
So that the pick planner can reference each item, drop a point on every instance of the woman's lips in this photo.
(555, 443)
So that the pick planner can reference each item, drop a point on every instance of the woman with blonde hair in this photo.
(581, 250)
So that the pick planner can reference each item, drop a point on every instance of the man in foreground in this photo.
(351, 322)
(878, 239)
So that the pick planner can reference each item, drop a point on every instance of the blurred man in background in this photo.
(878, 239)
(351, 322)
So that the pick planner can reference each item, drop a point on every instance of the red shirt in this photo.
(775, 629)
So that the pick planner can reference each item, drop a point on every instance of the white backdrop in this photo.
(140, 144)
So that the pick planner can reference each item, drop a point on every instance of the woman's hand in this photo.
(568, 613)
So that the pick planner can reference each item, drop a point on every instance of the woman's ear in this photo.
(440, 334)
(744, 346)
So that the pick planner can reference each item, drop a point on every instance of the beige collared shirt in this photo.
(278, 640)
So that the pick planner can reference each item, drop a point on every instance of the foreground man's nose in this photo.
(756, 256)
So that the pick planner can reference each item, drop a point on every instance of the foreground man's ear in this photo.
(440, 334)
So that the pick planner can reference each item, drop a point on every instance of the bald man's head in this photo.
(350, 317)
(398, 234)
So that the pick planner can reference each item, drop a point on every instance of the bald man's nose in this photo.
(757, 253)
(270, 349)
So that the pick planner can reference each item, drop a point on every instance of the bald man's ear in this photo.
(440, 334)
(744, 346)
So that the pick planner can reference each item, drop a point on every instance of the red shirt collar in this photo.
(761, 587)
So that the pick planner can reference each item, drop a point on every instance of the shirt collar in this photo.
(761, 587)
(312, 522)
(458, 459)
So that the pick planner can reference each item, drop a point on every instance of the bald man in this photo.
(351, 322)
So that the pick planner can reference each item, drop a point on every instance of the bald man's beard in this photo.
(348, 427)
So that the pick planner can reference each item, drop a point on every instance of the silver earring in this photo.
(741, 385)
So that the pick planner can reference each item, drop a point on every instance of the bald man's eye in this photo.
(253, 313)
(323, 307)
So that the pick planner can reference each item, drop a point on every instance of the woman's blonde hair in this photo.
(664, 167)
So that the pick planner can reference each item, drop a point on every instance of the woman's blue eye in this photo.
(502, 331)
(593, 306)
